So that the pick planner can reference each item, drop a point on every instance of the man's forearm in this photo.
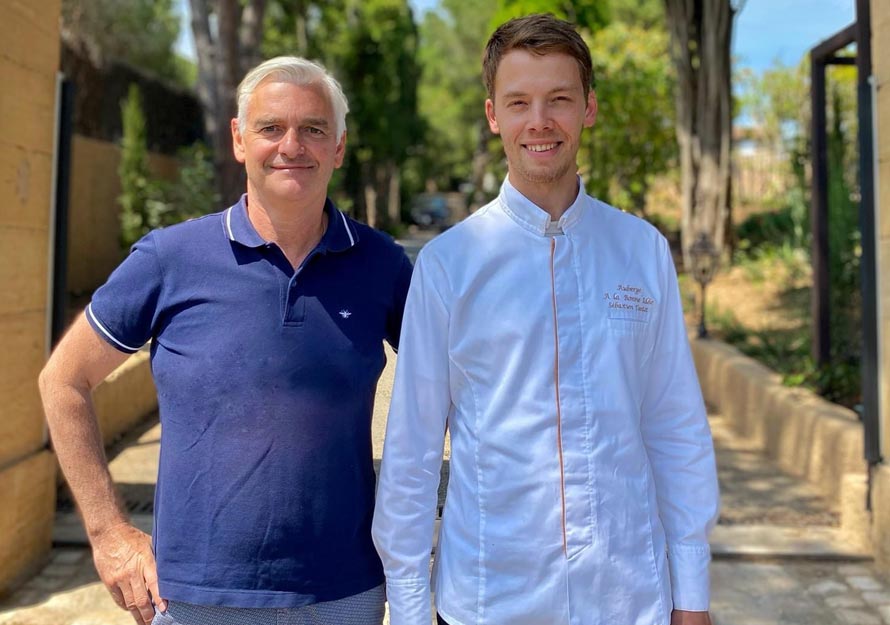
(122, 554)
(77, 442)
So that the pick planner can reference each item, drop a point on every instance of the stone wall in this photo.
(804, 434)
(94, 227)
(28, 65)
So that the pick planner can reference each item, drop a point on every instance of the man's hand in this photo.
(682, 617)
(126, 565)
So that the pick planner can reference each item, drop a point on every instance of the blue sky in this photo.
(765, 30)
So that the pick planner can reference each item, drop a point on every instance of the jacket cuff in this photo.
(690, 584)
(409, 602)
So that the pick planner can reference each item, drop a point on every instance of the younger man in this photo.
(546, 333)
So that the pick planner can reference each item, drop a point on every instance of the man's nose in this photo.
(540, 118)
(290, 145)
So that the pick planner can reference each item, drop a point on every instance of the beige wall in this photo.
(30, 36)
(94, 229)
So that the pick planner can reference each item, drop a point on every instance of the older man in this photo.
(266, 324)
(546, 333)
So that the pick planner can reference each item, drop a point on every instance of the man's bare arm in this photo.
(122, 554)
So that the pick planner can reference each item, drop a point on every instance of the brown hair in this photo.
(540, 33)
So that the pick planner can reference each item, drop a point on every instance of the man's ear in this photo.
(340, 153)
(590, 111)
(237, 141)
(489, 115)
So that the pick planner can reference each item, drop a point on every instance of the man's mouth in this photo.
(293, 166)
(541, 147)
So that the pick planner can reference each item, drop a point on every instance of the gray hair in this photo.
(298, 71)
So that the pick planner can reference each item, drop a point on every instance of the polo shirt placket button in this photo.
(295, 306)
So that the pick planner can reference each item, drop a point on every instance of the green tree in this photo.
(141, 33)
(587, 14)
(451, 93)
(147, 202)
(633, 140)
(137, 187)
(777, 101)
(372, 48)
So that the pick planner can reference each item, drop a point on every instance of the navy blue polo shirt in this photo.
(266, 379)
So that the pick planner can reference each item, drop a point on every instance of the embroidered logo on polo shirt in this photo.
(345, 314)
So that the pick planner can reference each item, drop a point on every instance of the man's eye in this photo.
(268, 130)
(515, 103)
(315, 131)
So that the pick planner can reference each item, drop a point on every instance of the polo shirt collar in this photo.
(531, 216)
(238, 226)
(341, 233)
(339, 236)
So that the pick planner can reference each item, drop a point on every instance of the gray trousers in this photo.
(362, 609)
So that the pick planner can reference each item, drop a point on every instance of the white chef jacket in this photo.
(582, 478)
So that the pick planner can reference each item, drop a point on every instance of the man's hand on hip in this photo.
(682, 617)
(126, 565)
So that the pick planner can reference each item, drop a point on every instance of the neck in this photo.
(553, 197)
(295, 228)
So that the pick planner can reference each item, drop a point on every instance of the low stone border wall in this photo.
(125, 398)
(880, 498)
(806, 435)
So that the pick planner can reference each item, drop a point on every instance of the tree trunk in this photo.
(251, 35)
(206, 52)
(701, 32)
(394, 198)
(228, 70)
(222, 62)
(371, 203)
(301, 27)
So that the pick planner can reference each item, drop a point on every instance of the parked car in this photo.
(438, 209)
(430, 210)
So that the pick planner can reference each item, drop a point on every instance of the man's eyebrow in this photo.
(309, 121)
(556, 89)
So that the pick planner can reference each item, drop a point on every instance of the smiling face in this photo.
(288, 144)
(540, 109)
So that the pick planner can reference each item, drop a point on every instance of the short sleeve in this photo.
(400, 292)
(124, 310)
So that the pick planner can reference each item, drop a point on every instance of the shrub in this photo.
(148, 203)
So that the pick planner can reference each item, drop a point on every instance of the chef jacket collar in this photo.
(531, 216)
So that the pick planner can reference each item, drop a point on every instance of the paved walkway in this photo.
(778, 556)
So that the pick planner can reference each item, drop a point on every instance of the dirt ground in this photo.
(764, 297)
